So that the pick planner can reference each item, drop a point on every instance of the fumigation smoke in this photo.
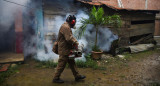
(105, 37)
(8, 11)
(50, 30)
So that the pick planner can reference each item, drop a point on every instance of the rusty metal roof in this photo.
(127, 4)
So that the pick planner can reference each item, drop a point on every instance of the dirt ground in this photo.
(136, 72)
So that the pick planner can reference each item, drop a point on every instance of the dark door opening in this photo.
(7, 39)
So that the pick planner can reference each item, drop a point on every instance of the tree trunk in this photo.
(96, 36)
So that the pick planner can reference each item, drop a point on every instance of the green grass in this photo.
(122, 76)
(154, 84)
(6, 74)
(87, 64)
(140, 55)
(90, 63)
(46, 64)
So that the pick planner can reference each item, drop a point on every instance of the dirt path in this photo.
(146, 71)
(141, 72)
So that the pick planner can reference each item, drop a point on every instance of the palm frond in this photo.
(97, 18)
(82, 28)
(114, 21)
(100, 15)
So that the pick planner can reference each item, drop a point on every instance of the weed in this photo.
(122, 76)
(10, 71)
(104, 73)
(90, 63)
(81, 64)
(101, 68)
(46, 64)
(154, 84)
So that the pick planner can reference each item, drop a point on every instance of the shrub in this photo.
(90, 63)
(47, 64)
(10, 71)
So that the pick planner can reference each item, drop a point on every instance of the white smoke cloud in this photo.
(52, 26)
(47, 53)
(8, 8)
(51, 29)
(105, 36)
(8, 11)
(30, 46)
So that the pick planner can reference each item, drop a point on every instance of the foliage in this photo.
(96, 48)
(97, 18)
(154, 84)
(114, 20)
(90, 63)
(47, 64)
(10, 71)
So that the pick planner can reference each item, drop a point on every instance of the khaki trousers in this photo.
(62, 61)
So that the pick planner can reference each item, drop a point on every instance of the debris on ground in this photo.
(13, 65)
(140, 47)
(144, 40)
(135, 48)
(4, 67)
(121, 56)
(106, 56)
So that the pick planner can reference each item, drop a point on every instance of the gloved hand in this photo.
(76, 45)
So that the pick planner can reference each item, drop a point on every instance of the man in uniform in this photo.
(65, 43)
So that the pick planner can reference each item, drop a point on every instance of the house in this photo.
(24, 27)
(18, 22)
(140, 19)
(57, 9)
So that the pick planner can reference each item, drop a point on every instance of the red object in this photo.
(19, 31)
(19, 41)
(4, 67)
(73, 22)
(75, 46)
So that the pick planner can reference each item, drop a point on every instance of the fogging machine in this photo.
(76, 52)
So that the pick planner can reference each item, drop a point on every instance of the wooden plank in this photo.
(140, 29)
(123, 41)
(142, 16)
(146, 38)
(9, 57)
(157, 28)
(137, 16)
(158, 16)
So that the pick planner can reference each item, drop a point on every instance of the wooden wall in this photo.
(134, 23)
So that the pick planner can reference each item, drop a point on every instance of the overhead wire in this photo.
(17, 4)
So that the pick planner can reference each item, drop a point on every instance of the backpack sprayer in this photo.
(76, 52)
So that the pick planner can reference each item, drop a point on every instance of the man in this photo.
(65, 43)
